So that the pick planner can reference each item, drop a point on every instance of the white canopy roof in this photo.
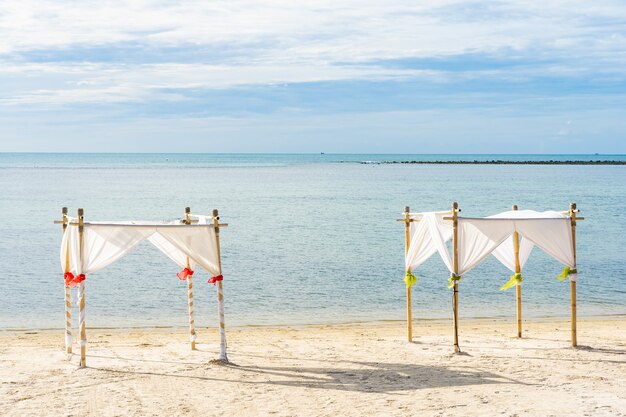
(479, 237)
(106, 242)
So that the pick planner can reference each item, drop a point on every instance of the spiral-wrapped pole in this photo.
(220, 292)
(68, 292)
(81, 296)
(192, 325)
(81, 324)
(68, 320)
(220, 308)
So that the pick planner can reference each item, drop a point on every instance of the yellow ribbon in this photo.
(453, 278)
(409, 279)
(514, 280)
(565, 273)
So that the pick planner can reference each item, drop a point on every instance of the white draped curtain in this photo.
(429, 235)
(549, 230)
(479, 237)
(505, 253)
(104, 243)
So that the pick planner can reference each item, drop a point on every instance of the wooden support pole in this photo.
(68, 292)
(192, 325)
(81, 294)
(572, 282)
(220, 291)
(409, 306)
(455, 267)
(518, 286)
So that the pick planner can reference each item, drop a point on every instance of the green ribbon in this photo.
(409, 279)
(453, 278)
(566, 272)
(514, 280)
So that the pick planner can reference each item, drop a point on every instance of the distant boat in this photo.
(322, 153)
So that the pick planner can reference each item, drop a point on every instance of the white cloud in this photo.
(289, 42)
(340, 30)
(105, 83)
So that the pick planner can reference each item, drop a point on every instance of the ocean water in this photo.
(311, 238)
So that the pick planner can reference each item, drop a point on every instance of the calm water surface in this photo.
(311, 239)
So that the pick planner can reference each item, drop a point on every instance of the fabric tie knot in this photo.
(515, 279)
(184, 274)
(71, 280)
(453, 278)
(409, 279)
(567, 272)
(214, 279)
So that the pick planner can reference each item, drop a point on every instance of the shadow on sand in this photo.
(375, 377)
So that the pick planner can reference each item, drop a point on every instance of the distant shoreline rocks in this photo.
(494, 162)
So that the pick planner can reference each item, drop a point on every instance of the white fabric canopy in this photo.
(479, 237)
(104, 243)
(549, 230)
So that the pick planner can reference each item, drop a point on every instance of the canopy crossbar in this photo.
(151, 225)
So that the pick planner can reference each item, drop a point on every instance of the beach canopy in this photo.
(509, 236)
(88, 247)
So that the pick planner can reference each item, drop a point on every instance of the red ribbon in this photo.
(72, 281)
(182, 275)
(214, 279)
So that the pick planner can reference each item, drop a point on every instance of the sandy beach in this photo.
(322, 370)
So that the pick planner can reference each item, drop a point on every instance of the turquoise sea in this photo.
(311, 238)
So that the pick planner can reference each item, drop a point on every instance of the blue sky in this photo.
(335, 76)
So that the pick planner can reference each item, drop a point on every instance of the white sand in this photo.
(341, 370)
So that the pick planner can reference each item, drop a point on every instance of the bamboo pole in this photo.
(220, 291)
(68, 291)
(518, 286)
(407, 241)
(192, 326)
(81, 294)
(572, 282)
(455, 266)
